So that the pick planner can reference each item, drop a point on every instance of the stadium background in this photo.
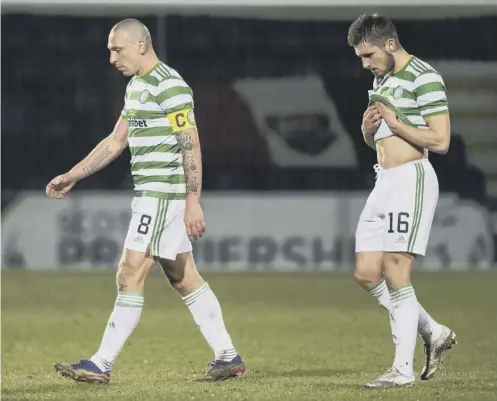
(279, 100)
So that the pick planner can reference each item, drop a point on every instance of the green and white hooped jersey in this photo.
(415, 93)
(157, 104)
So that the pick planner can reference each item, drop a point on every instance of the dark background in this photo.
(60, 96)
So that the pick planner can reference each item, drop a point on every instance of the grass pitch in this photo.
(303, 336)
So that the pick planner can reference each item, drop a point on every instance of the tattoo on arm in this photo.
(185, 142)
(99, 160)
(191, 173)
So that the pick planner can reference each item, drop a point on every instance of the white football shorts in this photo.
(399, 212)
(158, 224)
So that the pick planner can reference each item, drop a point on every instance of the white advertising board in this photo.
(287, 231)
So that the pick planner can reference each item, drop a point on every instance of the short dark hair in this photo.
(372, 29)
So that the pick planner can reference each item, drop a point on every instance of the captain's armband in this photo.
(181, 120)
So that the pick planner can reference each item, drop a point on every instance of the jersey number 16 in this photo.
(402, 225)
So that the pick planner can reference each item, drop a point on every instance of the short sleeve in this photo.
(431, 94)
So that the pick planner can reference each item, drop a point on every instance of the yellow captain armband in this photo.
(182, 119)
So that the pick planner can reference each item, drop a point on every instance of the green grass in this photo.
(303, 337)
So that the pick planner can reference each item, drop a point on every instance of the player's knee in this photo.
(188, 284)
(125, 277)
(179, 285)
(130, 277)
(182, 273)
(363, 277)
(397, 269)
(175, 277)
(368, 268)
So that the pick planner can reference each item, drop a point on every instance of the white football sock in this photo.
(428, 329)
(206, 312)
(122, 322)
(405, 317)
(380, 292)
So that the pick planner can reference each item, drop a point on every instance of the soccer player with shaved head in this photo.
(157, 123)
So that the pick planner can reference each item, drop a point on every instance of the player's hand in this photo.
(194, 219)
(59, 186)
(371, 120)
(388, 115)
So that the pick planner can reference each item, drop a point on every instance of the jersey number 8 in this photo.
(144, 224)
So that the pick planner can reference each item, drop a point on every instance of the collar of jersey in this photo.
(148, 71)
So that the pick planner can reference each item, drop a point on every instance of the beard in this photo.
(389, 66)
(390, 62)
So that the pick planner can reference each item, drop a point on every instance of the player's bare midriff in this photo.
(395, 151)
